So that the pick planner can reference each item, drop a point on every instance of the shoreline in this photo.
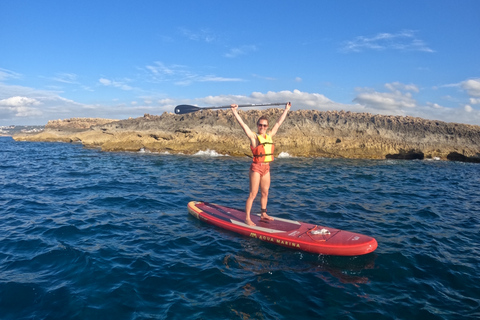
(305, 133)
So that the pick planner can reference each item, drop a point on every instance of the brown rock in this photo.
(74, 124)
(306, 133)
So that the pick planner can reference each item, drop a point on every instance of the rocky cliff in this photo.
(305, 133)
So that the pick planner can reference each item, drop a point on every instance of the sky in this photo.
(120, 59)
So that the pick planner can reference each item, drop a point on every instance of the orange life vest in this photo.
(263, 152)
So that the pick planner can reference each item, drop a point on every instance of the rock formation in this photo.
(74, 124)
(305, 133)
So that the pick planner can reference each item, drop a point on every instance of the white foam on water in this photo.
(284, 155)
(209, 153)
(143, 150)
(147, 151)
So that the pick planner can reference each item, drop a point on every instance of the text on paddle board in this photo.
(277, 241)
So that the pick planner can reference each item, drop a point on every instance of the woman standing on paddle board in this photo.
(262, 147)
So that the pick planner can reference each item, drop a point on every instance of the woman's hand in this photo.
(234, 106)
(288, 105)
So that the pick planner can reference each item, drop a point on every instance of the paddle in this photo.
(186, 108)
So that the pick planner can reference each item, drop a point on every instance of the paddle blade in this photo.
(185, 108)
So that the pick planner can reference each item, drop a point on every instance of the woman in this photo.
(262, 147)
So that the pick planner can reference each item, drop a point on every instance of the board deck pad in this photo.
(288, 233)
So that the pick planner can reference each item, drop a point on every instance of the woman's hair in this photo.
(262, 118)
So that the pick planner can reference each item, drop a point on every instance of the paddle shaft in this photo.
(185, 108)
(250, 105)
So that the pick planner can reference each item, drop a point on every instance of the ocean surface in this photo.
(86, 234)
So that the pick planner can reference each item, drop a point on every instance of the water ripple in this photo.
(92, 235)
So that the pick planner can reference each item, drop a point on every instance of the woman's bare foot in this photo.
(249, 222)
(265, 216)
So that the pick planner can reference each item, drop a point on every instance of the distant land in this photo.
(305, 133)
(13, 130)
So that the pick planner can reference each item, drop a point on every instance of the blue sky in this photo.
(120, 59)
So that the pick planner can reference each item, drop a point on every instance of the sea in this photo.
(86, 234)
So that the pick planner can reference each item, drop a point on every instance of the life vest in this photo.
(264, 151)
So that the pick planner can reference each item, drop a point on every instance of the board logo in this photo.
(288, 243)
(278, 241)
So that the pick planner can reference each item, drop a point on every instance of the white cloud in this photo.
(177, 74)
(243, 50)
(158, 69)
(7, 74)
(397, 86)
(396, 100)
(472, 86)
(387, 103)
(474, 101)
(105, 82)
(435, 105)
(405, 40)
(299, 100)
(205, 35)
(461, 114)
(23, 105)
(181, 75)
(115, 84)
(167, 101)
(18, 101)
(315, 101)
(263, 77)
(19, 107)
(69, 78)
(212, 78)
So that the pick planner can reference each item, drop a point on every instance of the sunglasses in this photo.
(262, 125)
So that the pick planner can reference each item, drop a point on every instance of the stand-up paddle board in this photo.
(286, 233)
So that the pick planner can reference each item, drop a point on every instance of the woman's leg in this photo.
(264, 187)
(254, 185)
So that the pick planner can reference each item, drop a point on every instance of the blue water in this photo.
(91, 235)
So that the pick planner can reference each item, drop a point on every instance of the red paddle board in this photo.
(287, 233)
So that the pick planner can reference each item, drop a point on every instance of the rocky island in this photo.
(305, 133)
